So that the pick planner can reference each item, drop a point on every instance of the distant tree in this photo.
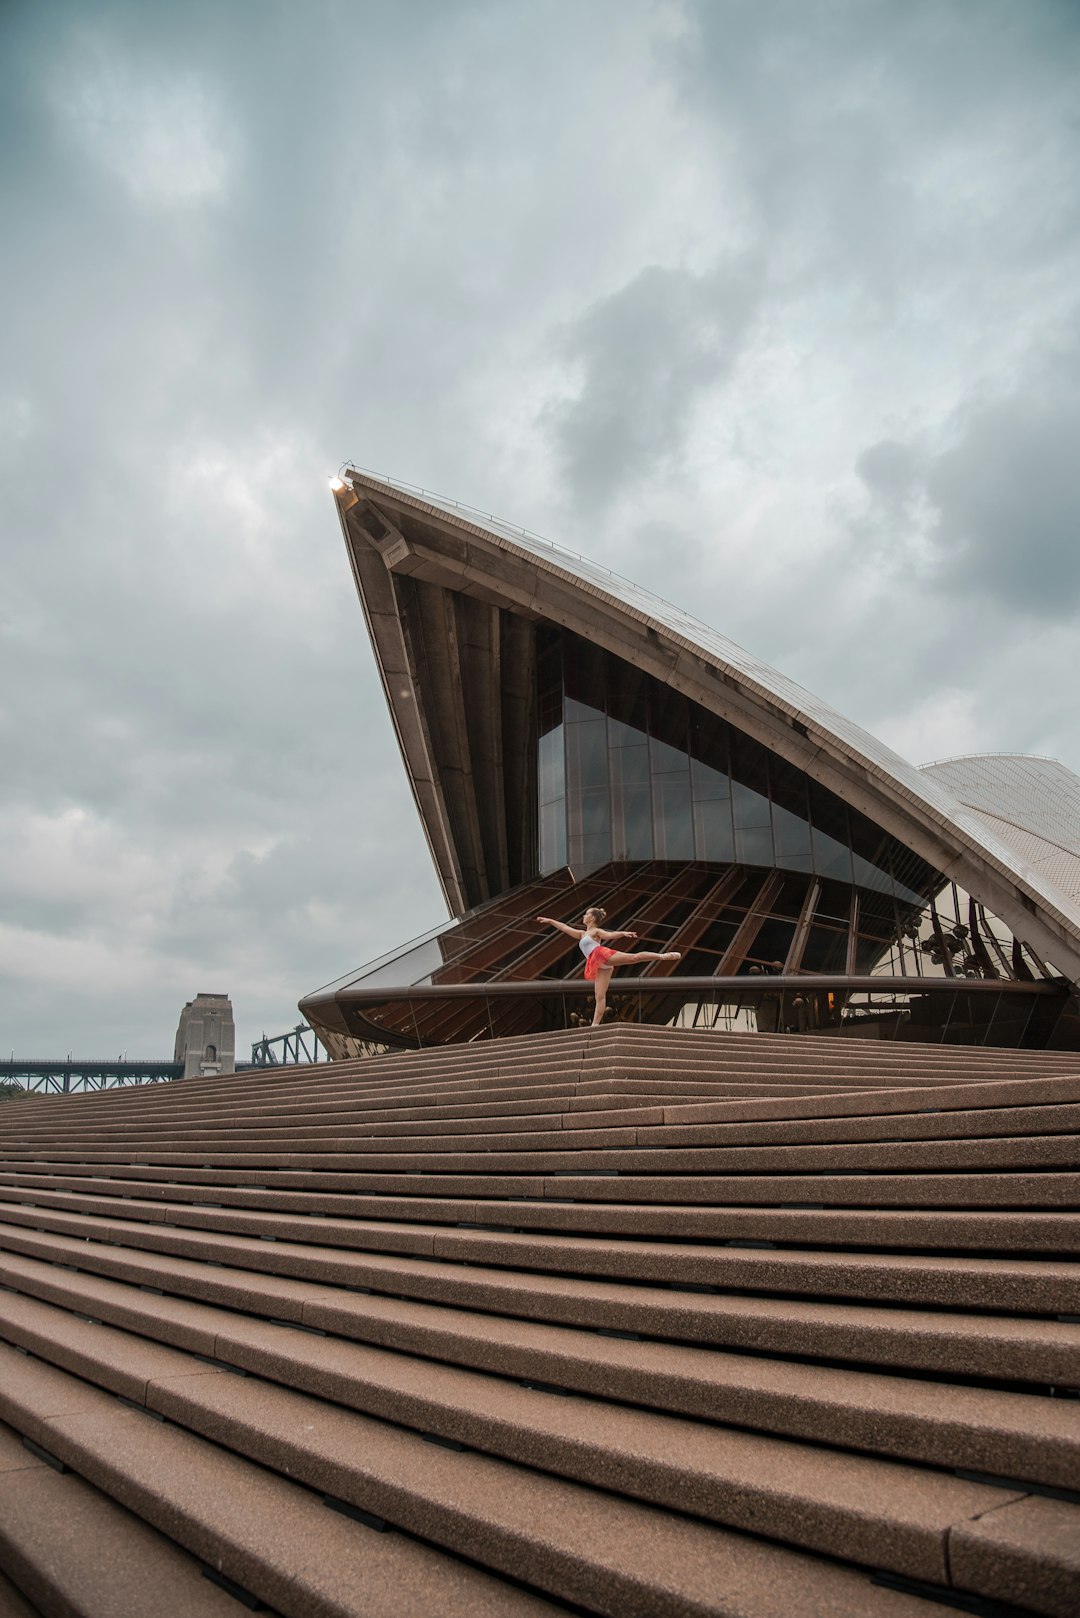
(9, 1090)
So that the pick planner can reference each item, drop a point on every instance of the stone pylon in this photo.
(206, 1036)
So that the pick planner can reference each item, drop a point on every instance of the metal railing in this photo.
(928, 1010)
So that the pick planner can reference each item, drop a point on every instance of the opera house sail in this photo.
(571, 740)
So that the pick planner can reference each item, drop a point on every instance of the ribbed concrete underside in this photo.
(634, 1323)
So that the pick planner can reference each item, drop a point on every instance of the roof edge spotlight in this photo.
(343, 492)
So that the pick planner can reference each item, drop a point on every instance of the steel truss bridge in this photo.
(68, 1075)
(300, 1044)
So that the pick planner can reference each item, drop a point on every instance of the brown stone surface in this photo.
(711, 1323)
(268, 1535)
(1027, 1552)
(71, 1550)
(13, 1604)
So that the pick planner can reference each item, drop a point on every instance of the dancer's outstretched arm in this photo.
(571, 932)
(607, 935)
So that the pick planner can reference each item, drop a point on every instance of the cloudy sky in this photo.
(772, 305)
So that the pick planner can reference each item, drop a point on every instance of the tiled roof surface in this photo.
(1033, 804)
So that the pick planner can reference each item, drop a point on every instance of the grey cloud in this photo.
(1001, 503)
(645, 354)
(1008, 504)
(401, 223)
(872, 143)
(889, 469)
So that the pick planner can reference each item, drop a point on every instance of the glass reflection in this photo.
(629, 769)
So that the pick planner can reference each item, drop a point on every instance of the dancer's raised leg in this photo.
(622, 957)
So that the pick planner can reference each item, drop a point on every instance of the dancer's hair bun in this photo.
(601, 915)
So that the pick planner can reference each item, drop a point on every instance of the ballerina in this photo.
(600, 959)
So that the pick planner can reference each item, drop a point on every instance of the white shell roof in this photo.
(924, 791)
(1033, 804)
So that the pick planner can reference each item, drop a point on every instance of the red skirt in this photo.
(597, 958)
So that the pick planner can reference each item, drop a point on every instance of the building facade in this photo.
(572, 740)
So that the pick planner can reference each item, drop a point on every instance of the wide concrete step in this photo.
(651, 1097)
(807, 1068)
(627, 1150)
(529, 1521)
(126, 1220)
(1031, 1438)
(272, 1538)
(592, 1178)
(618, 1151)
(696, 1315)
(1031, 1287)
(1036, 1352)
(863, 1116)
(66, 1548)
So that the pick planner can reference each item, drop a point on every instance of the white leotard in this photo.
(587, 944)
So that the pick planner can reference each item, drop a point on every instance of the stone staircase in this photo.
(633, 1322)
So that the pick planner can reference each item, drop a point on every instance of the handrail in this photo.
(742, 987)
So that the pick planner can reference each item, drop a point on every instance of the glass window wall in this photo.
(629, 769)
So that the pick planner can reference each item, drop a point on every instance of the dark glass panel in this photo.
(791, 837)
(714, 838)
(549, 658)
(870, 853)
(586, 755)
(709, 738)
(833, 903)
(630, 765)
(869, 952)
(632, 801)
(594, 851)
(582, 712)
(674, 828)
(826, 950)
(707, 783)
(790, 899)
(747, 891)
(595, 812)
(754, 845)
(830, 857)
(551, 772)
(788, 789)
(669, 719)
(828, 814)
(667, 760)
(632, 832)
(553, 835)
(913, 879)
(718, 936)
(870, 876)
(585, 672)
(749, 808)
(550, 710)
(831, 842)
(627, 695)
(770, 947)
(627, 736)
(749, 763)
(877, 915)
